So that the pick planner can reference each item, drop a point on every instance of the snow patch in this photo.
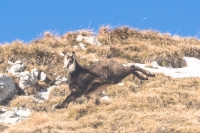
(191, 69)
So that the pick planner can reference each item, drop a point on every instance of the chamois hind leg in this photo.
(136, 68)
(93, 88)
(71, 97)
(139, 75)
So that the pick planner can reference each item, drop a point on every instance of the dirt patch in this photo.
(3, 127)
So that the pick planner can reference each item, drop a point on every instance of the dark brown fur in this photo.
(84, 81)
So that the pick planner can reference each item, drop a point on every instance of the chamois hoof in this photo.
(152, 75)
(58, 106)
(145, 78)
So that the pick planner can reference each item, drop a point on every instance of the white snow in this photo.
(191, 70)
(121, 84)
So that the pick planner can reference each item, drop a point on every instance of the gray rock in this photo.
(43, 76)
(58, 78)
(35, 73)
(22, 112)
(58, 81)
(8, 114)
(15, 115)
(27, 80)
(82, 46)
(16, 68)
(45, 93)
(91, 40)
(64, 79)
(7, 88)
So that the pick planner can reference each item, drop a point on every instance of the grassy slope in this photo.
(138, 106)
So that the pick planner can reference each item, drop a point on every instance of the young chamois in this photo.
(84, 81)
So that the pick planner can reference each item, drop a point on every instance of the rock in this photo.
(9, 117)
(58, 81)
(8, 114)
(91, 40)
(58, 78)
(64, 79)
(35, 73)
(82, 46)
(27, 79)
(10, 120)
(105, 99)
(154, 65)
(3, 110)
(76, 47)
(103, 93)
(22, 112)
(7, 88)
(44, 94)
(43, 76)
(15, 115)
(16, 68)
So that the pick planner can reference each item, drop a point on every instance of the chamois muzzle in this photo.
(66, 67)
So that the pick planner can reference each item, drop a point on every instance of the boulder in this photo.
(15, 115)
(7, 88)
(27, 80)
(82, 46)
(58, 81)
(105, 100)
(64, 79)
(16, 68)
(91, 40)
(44, 94)
(43, 76)
(35, 74)
(76, 47)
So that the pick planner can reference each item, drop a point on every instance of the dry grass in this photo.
(161, 104)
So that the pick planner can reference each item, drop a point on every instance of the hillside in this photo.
(161, 104)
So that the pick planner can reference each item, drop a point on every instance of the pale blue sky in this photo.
(26, 20)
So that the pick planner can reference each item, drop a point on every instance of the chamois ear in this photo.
(62, 53)
(74, 55)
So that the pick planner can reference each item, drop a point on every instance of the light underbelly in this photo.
(98, 89)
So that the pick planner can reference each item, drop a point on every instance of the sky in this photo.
(28, 20)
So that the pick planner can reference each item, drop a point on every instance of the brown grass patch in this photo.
(161, 104)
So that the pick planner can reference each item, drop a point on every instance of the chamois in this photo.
(84, 81)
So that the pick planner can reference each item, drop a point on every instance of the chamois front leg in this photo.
(136, 68)
(71, 97)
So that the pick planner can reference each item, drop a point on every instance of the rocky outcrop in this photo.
(16, 68)
(27, 79)
(91, 40)
(43, 76)
(7, 88)
(15, 115)
(83, 40)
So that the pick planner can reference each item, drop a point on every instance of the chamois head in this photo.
(69, 61)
